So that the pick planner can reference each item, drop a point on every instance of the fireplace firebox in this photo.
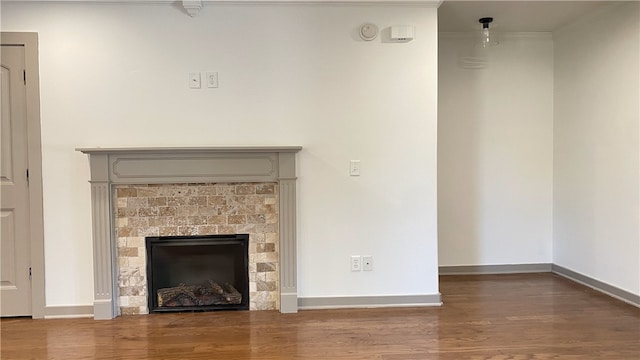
(198, 273)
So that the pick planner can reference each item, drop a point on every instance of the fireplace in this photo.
(113, 167)
(198, 273)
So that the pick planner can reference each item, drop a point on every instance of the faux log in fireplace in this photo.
(198, 273)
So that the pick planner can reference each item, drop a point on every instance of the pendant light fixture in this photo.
(487, 39)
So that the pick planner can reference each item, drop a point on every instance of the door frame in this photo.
(34, 155)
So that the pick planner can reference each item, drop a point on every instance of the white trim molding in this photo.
(615, 292)
(511, 35)
(68, 311)
(430, 3)
(353, 302)
(494, 269)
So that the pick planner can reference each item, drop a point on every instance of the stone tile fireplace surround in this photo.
(243, 168)
(193, 210)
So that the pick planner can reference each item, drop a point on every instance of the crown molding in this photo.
(430, 3)
(504, 35)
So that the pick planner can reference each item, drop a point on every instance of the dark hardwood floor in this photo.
(498, 317)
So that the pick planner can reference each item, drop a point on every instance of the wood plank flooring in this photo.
(497, 317)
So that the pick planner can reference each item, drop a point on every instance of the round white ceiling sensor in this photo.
(368, 32)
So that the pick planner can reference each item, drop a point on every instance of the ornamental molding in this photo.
(196, 5)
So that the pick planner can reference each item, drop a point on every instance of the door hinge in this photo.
(24, 76)
(29, 273)
(27, 176)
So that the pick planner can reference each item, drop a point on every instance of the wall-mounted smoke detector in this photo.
(368, 31)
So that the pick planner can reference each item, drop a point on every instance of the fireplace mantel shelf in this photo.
(112, 166)
(192, 149)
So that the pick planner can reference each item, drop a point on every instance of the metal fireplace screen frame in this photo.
(195, 260)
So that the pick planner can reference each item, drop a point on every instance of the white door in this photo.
(15, 283)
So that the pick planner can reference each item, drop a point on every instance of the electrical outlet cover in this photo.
(212, 79)
(367, 262)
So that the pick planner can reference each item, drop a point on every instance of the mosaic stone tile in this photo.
(266, 189)
(197, 209)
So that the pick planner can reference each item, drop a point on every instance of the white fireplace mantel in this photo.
(171, 165)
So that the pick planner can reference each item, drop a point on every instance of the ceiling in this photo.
(517, 16)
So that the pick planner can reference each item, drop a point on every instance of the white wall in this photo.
(596, 141)
(495, 146)
(114, 75)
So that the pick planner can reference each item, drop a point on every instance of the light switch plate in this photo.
(194, 80)
(354, 168)
(356, 263)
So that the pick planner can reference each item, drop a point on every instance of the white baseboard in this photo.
(68, 311)
(598, 285)
(494, 269)
(350, 302)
